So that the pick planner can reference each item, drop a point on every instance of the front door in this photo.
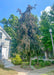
(0, 52)
(4, 53)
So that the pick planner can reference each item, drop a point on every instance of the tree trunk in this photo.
(49, 55)
(37, 60)
(46, 55)
(30, 61)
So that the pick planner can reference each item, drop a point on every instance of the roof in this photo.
(5, 33)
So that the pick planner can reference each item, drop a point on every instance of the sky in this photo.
(8, 7)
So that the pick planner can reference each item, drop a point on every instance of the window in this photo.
(0, 35)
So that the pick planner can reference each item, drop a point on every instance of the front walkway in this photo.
(33, 72)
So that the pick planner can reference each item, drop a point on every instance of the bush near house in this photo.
(17, 60)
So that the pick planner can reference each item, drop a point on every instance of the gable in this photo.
(5, 33)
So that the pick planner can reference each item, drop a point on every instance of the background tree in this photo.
(51, 21)
(10, 28)
(51, 15)
(44, 27)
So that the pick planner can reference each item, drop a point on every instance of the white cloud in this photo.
(47, 9)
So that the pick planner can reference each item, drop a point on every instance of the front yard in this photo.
(12, 72)
(4, 71)
(51, 73)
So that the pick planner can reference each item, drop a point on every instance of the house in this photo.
(4, 44)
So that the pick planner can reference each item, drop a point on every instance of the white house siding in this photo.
(5, 47)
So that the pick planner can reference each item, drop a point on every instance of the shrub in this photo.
(41, 61)
(47, 63)
(42, 64)
(1, 66)
(25, 60)
(41, 57)
(52, 62)
(36, 60)
(52, 57)
(37, 66)
(33, 62)
(24, 64)
(17, 60)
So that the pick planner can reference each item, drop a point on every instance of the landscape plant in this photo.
(17, 60)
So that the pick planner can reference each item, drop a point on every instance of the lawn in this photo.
(51, 73)
(4, 71)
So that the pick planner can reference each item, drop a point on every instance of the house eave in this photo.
(5, 33)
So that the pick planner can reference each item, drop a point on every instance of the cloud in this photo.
(47, 9)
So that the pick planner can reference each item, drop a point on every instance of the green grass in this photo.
(49, 73)
(5, 71)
